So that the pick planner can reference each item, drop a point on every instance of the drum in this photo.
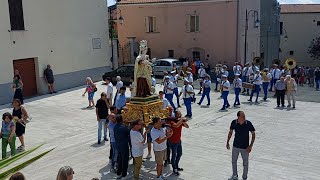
(248, 85)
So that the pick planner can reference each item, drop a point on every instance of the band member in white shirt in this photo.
(187, 92)
(245, 76)
(109, 90)
(276, 73)
(237, 69)
(118, 86)
(225, 92)
(190, 82)
(168, 90)
(174, 79)
(237, 84)
(257, 82)
(202, 74)
(266, 78)
(206, 86)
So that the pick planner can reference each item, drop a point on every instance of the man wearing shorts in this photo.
(48, 76)
(159, 137)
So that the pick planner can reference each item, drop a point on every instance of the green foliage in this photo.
(8, 161)
(314, 49)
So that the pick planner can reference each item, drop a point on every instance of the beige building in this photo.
(299, 25)
(70, 35)
(191, 29)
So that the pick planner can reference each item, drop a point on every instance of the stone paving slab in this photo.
(287, 142)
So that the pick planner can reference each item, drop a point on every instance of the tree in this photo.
(314, 49)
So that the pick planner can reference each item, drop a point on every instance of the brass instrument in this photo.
(276, 61)
(257, 61)
(290, 63)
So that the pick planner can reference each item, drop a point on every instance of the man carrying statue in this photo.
(142, 72)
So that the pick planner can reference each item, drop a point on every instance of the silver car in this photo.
(161, 65)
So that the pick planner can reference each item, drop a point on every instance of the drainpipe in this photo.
(237, 32)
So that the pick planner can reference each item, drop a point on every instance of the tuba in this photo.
(257, 61)
(290, 63)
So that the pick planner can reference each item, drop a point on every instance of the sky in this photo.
(111, 2)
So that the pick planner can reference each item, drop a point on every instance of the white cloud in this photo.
(299, 1)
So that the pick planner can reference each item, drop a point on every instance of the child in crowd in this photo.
(17, 176)
(113, 149)
(8, 134)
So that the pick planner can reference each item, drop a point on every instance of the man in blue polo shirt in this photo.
(242, 127)
(121, 99)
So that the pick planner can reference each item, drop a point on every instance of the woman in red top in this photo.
(175, 140)
(193, 68)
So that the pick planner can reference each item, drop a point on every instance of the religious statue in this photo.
(142, 72)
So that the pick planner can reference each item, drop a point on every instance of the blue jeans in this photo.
(225, 99)
(102, 124)
(176, 150)
(114, 153)
(217, 83)
(170, 98)
(317, 84)
(237, 92)
(206, 92)
(201, 85)
(255, 90)
(265, 86)
(187, 103)
(176, 93)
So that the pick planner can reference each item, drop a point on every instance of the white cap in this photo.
(172, 72)
(224, 76)
(166, 77)
(237, 74)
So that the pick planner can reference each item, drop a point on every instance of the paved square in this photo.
(287, 144)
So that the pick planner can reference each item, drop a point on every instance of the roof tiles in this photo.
(300, 8)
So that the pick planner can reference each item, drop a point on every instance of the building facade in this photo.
(270, 32)
(191, 29)
(71, 36)
(300, 24)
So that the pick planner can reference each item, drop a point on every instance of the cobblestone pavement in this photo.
(287, 142)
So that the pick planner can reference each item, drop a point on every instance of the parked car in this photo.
(165, 64)
(125, 72)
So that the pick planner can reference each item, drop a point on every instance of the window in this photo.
(291, 53)
(195, 54)
(281, 28)
(171, 53)
(16, 15)
(262, 55)
(318, 23)
(150, 24)
(165, 63)
(193, 23)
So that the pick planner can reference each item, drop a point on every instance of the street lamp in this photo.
(256, 25)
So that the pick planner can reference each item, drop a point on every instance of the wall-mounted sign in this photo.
(96, 43)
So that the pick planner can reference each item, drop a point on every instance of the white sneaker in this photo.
(21, 148)
(119, 177)
(233, 177)
(149, 156)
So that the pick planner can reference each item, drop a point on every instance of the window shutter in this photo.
(188, 23)
(146, 24)
(197, 28)
(155, 28)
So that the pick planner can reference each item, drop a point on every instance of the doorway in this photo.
(27, 70)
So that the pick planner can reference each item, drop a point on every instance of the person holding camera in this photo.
(159, 137)
(175, 140)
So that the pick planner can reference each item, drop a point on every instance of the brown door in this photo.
(27, 72)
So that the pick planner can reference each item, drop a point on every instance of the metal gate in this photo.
(124, 53)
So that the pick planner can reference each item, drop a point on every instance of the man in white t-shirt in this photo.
(225, 92)
(237, 69)
(202, 74)
(118, 86)
(174, 79)
(159, 137)
(109, 90)
(137, 141)
(187, 93)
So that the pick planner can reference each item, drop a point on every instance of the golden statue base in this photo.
(144, 109)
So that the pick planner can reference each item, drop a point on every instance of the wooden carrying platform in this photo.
(144, 109)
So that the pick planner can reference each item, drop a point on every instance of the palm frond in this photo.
(23, 165)
(5, 162)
